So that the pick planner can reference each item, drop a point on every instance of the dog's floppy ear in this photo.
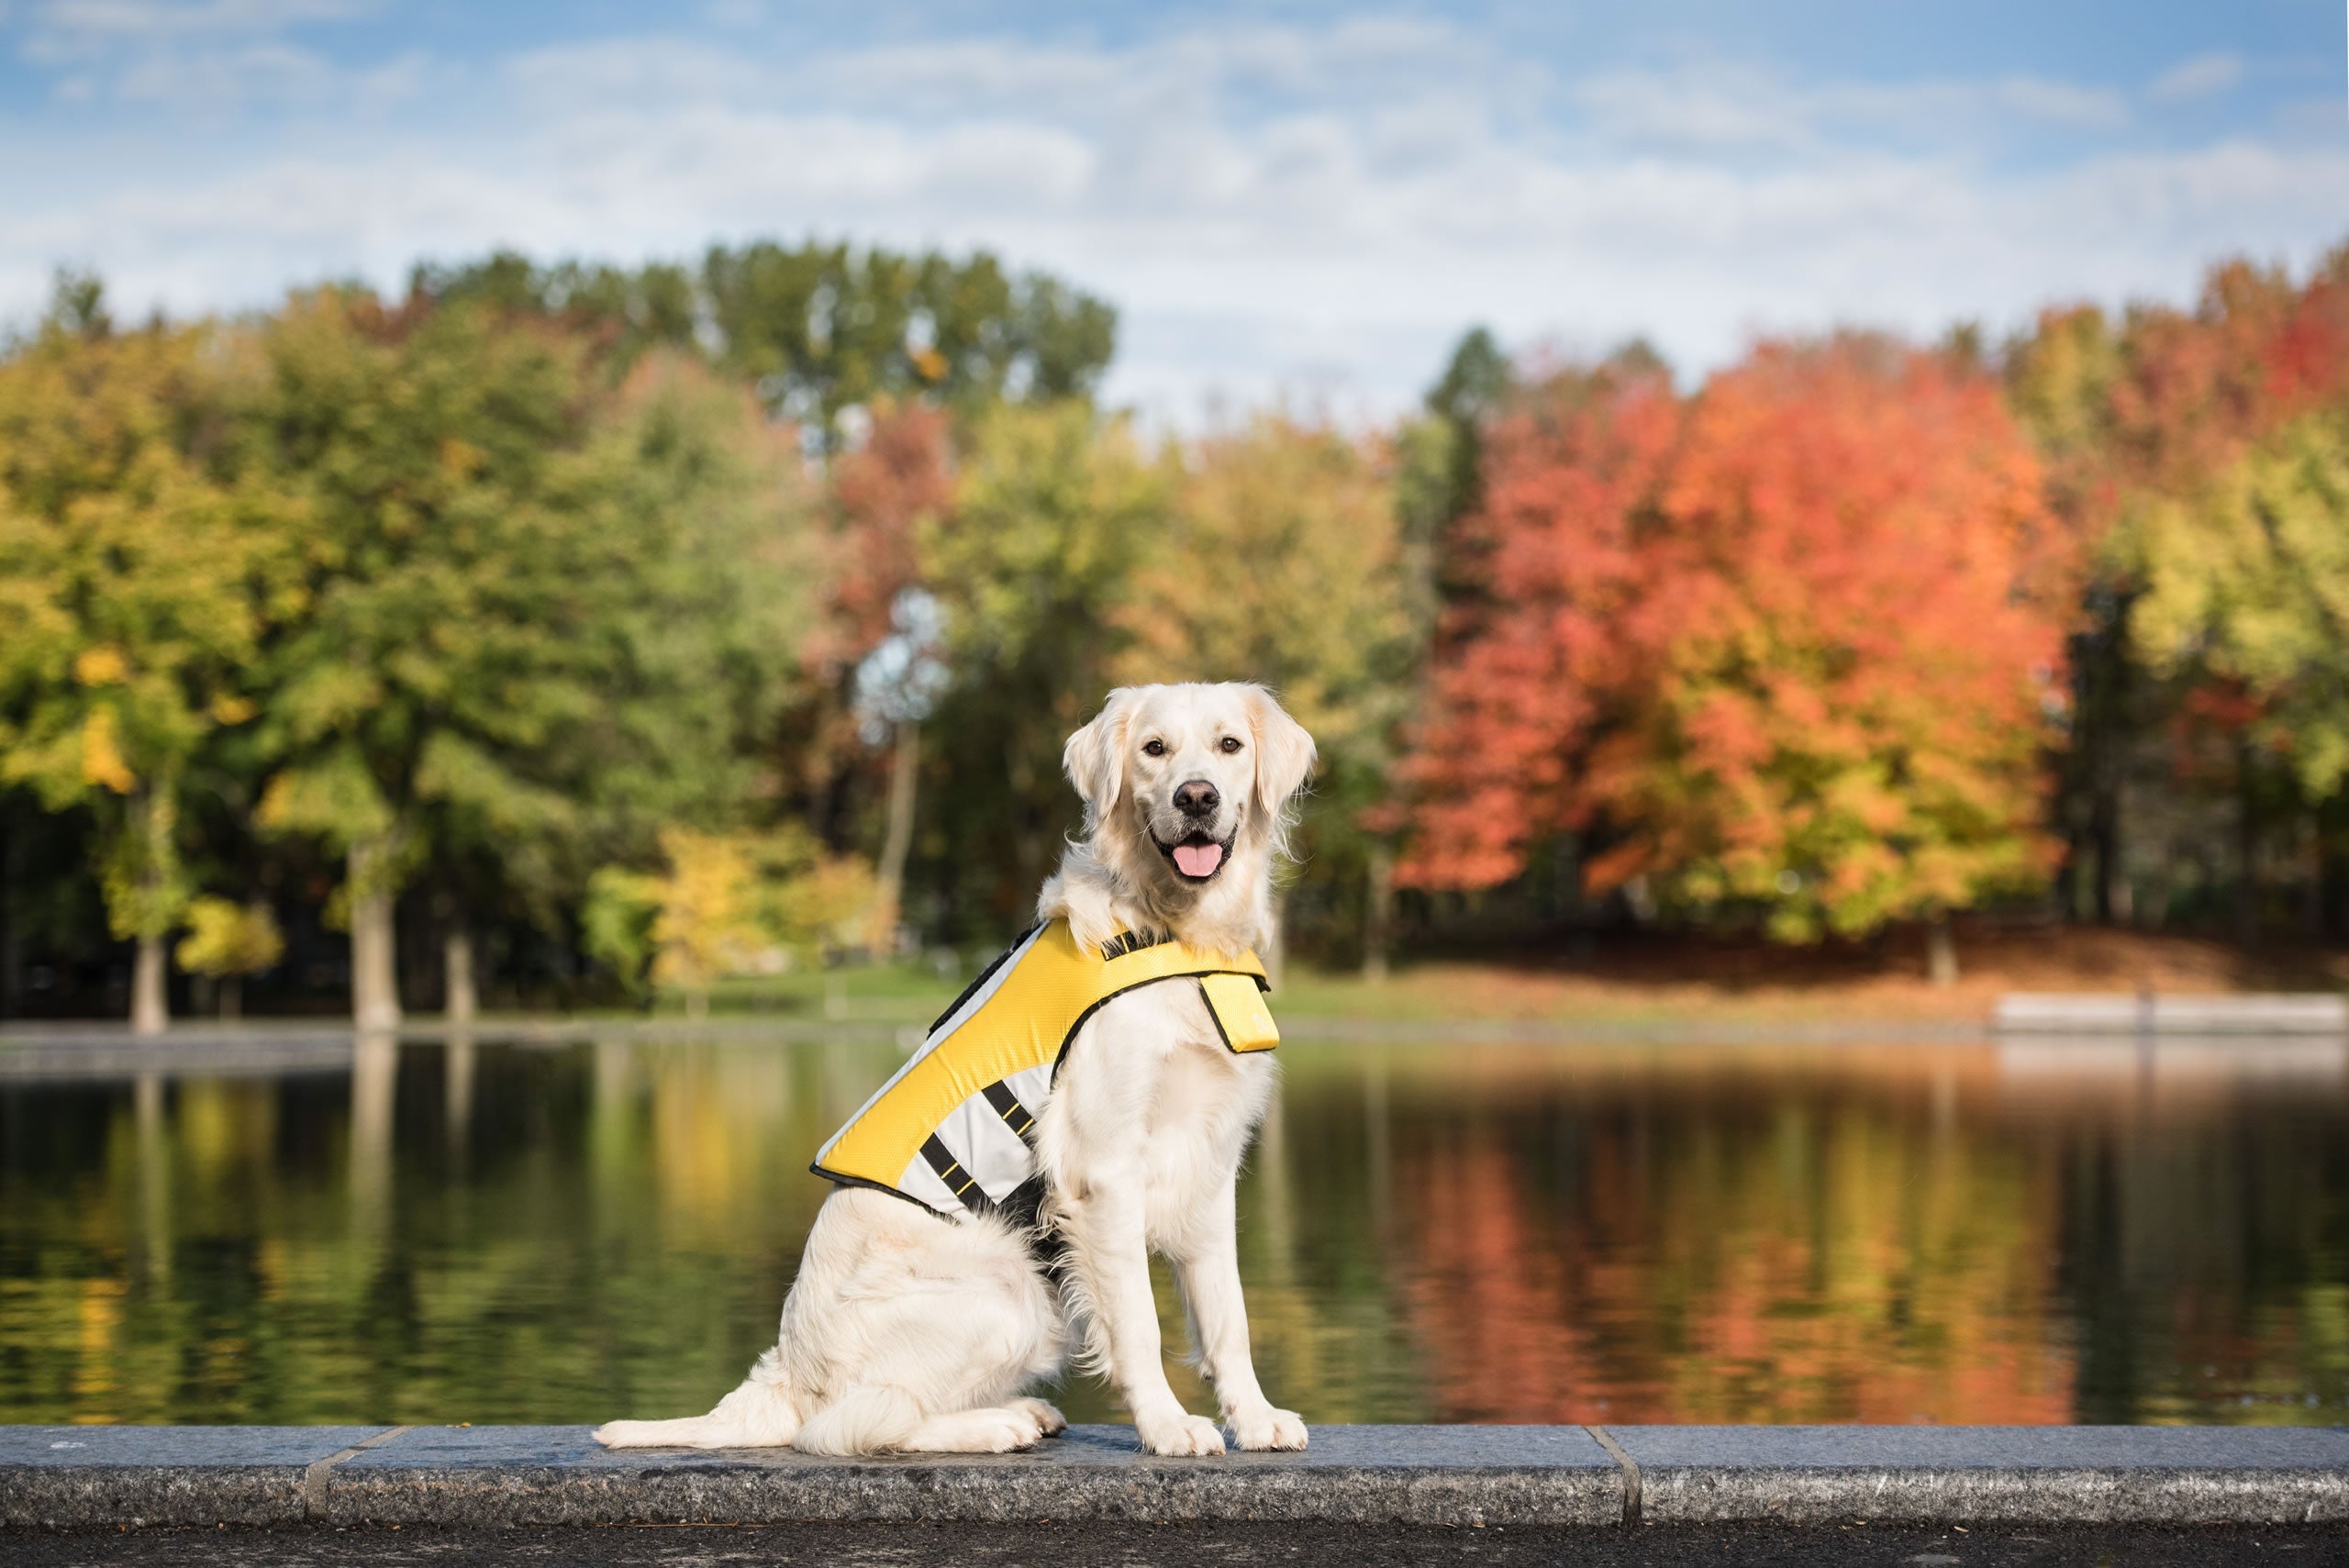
(1284, 752)
(1095, 759)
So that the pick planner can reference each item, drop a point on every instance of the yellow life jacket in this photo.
(952, 1129)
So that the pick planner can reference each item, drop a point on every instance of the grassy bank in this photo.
(1635, 977)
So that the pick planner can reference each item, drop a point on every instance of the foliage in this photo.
(2134, 419)
(824, 329)
(2248, 583)
(527, 574)
(226, 937)
(726, 904)
(1293, 571)
(1054, 511)
(136, 580)
(1273, 517)
(1766, 643)
(879, 498)
(538, 614)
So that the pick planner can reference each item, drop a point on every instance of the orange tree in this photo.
(1764, 648)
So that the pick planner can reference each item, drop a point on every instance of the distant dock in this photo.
(2277, 1013)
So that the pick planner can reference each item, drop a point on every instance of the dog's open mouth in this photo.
(1196, 858)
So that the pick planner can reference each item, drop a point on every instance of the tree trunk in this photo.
(2111, 891)
(460, 1003)
(150, 1003)
(2246, 854)
(1940, 951)
(1378, 912)
(150, 1012)
(374, 975)
(233, 998)
(12, 947)
(905, 778)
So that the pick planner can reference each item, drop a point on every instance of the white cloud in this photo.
(1263, 222)
(1740, 108)
(153, 18)
(2200, 77)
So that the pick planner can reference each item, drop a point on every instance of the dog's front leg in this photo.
(1209, 1274)
(1112, 1257)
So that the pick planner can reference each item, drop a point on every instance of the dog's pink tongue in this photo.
(1197, 859)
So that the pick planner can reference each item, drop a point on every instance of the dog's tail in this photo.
(760, 1414)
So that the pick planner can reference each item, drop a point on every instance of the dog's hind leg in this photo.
(1048, 1417)
(760, 1414)
(995, 1429)
(867, 1417)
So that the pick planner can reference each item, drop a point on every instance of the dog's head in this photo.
(1181, 782)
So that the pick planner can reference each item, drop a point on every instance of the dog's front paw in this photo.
(1179, 1434)
(1264, 1427)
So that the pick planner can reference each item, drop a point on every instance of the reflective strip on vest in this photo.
(952, 1129)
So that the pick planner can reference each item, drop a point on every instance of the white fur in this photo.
(908, 1333)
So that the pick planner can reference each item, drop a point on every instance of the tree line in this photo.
(653, 626)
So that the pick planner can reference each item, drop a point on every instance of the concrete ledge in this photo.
(1991, 1474)
(499, 1476)
(107, 1478)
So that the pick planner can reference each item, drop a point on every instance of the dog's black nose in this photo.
(1198, 798)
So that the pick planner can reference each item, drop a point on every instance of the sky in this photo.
(1305, 203)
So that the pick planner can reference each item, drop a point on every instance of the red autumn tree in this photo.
(879, 494)
(1766, 646)
(883, 492)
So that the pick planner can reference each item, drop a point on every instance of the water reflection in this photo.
(2027, 1231)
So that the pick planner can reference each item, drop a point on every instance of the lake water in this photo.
(510, 1233)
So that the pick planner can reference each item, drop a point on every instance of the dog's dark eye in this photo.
(1153, 747)
(1230, 744)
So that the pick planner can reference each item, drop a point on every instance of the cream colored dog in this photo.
(908, 1333)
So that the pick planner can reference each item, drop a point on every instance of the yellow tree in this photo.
(227, 941)
(726, 904)
(2246, 583)
(134, 584)
(1287, 565)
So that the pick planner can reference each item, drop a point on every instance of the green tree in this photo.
(135, 584)
(1055, 510)
(2248, 583)
(540, 614)
(823, 329)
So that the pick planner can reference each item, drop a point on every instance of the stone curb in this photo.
(493, 1477)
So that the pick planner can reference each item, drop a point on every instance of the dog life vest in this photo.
(952, 1129)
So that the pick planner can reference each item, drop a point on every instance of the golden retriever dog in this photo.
(909, 1331)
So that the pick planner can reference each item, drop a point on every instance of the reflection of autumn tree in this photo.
(1496, 1296)
(1835, 1262)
